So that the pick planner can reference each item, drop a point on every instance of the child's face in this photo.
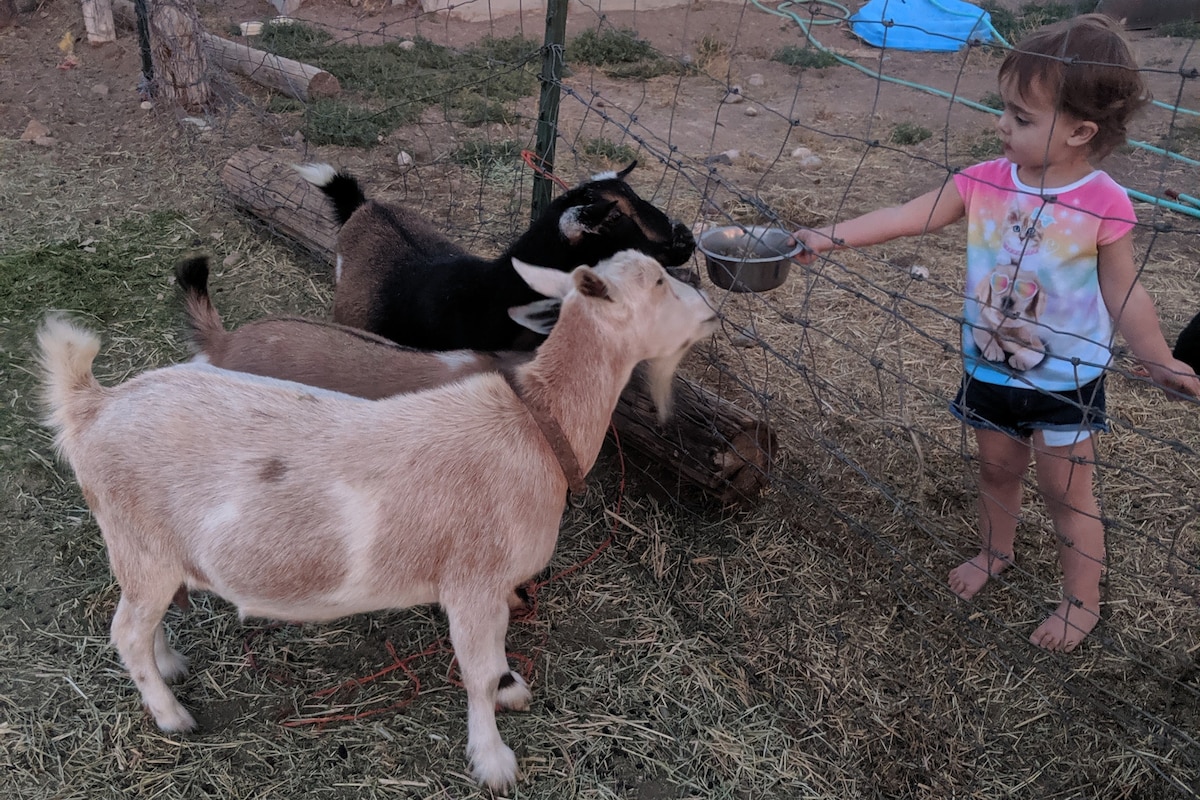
(1035, 135)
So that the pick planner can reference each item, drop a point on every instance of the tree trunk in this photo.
(709, 443)
(98, 19)
(180, 70)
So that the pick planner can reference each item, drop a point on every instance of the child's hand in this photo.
(815, 242)
(1175, 377)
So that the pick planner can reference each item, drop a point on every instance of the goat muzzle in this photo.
(685, 274)
(682, 245)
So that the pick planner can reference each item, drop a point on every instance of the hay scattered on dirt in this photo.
(805, 646)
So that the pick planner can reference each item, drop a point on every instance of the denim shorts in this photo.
(1065, 417)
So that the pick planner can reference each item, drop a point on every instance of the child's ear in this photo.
(1083, 132)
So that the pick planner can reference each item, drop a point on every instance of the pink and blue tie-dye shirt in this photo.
(1034, 316)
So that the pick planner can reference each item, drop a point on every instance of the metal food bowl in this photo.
(752, 259)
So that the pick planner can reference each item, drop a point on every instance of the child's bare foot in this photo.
(970, 576)
(1067, 626)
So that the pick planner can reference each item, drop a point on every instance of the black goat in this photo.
(1187, 346)
(399, 277)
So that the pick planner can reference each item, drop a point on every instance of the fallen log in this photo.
(295, 79)
(268, 187)
(709, 443)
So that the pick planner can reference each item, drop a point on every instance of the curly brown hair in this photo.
(1086, 64)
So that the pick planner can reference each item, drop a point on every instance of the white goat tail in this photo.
(316, 173)
(70, 391)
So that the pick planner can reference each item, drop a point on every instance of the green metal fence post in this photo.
(553, 48)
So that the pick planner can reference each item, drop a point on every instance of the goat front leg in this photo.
(477, 628)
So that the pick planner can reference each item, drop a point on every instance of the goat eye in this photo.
(659, 282)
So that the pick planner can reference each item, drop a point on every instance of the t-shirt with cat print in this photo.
(1033, 316)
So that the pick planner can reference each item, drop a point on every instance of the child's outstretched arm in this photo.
(1132, 310)
(931, 211)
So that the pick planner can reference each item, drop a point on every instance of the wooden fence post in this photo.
(98, 19)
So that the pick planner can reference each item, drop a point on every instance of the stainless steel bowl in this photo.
(750, 259)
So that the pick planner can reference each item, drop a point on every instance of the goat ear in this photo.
(546, 282)
(590, 284)
(538, 316)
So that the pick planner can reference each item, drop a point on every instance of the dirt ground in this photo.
(802, 648)
(94, 105)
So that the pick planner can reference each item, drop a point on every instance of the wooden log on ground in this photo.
(295, 79)
(709, 443)
(98, 20)
(268, 187)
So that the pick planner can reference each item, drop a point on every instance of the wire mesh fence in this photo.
(855, 358)
(828, 588)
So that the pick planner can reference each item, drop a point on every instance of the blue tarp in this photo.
(942, 25)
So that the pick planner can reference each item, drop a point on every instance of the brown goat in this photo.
(324, 354)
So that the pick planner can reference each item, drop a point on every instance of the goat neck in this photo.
(553, 433)
(576, 379)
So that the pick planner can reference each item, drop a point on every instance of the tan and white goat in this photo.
(301, 504)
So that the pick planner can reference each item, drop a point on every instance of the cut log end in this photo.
(324, 85)
(708, 442)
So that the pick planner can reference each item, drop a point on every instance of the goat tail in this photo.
(341, 188)
(70, 392)
(207, 329)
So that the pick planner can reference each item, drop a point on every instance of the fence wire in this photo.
(854, 360)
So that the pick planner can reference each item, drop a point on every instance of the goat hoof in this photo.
(174, 720)
(496, 768)
(516, 695)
